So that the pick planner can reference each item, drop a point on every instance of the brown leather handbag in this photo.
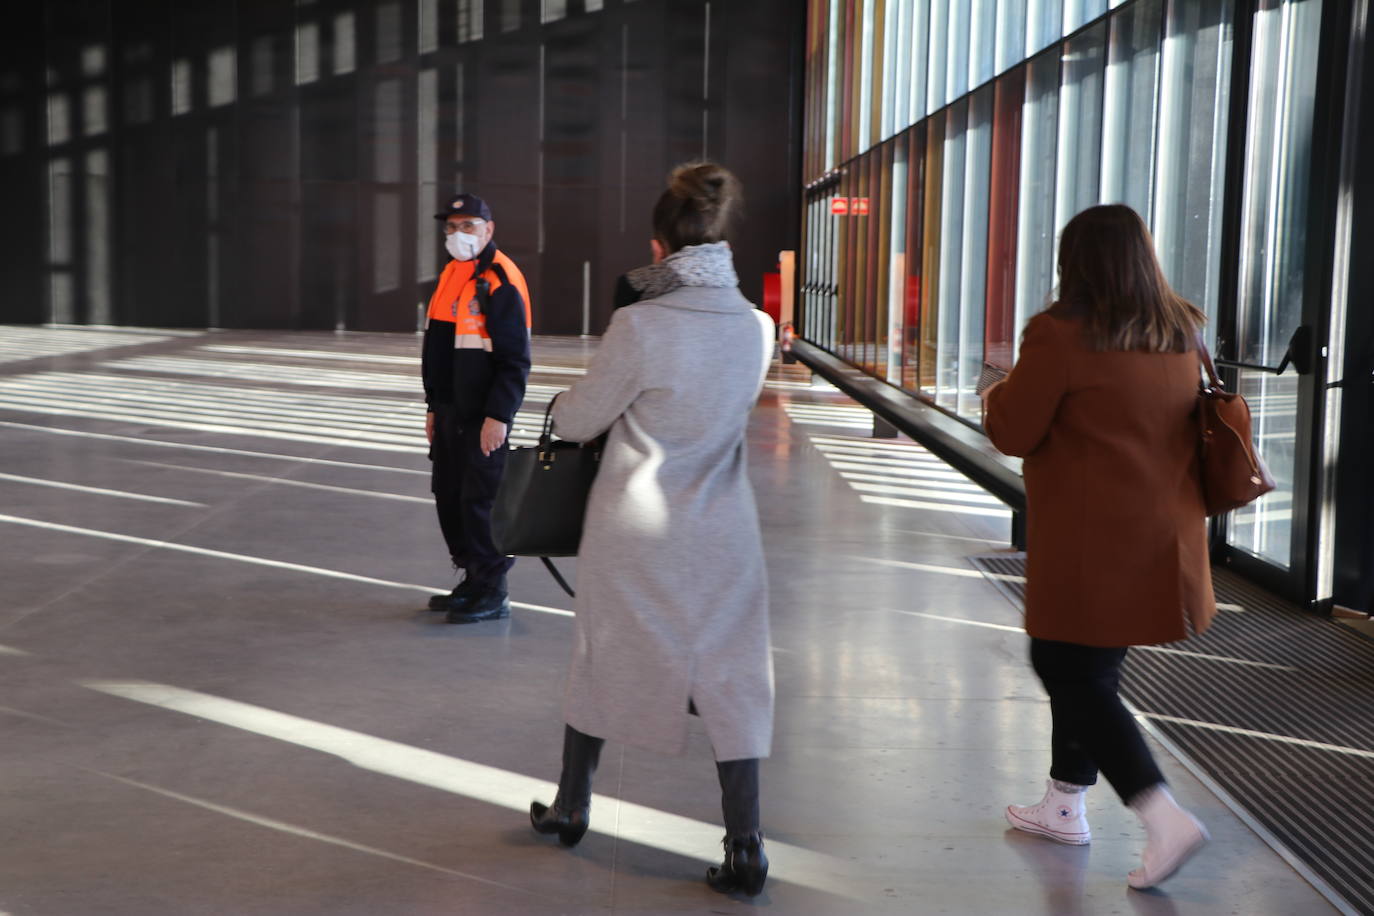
(1233, 473)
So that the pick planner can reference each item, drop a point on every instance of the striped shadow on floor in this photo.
(1288, 734)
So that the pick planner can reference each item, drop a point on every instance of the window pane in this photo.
(1035, 221)
(930, 252)
(1278, 160)
(915, 214)
(900, 71)
(1006, 163)
(939, 54)
(868, 47)
(1011, 33)
(1080, 124)
(973, 275)
(891, 14)
(1128, 130)
(1192, 147)
(1043, 24)
(951, 255)
(880, 254)
(920, 58)
(897, 269)
(552, 10)
(470, 20)
(832, 89)
(957, 65)
(1078, 13)
(845, 269)
(868, 255)
(982, 42)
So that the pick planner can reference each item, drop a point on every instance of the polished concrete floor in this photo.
(220, 692)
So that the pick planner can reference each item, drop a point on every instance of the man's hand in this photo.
(493, 436)
(429, 427)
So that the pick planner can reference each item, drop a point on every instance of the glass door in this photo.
(1265, 342)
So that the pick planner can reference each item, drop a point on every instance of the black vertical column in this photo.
(1353, 584)
(23, 167)
(265, 254)
(572, 223)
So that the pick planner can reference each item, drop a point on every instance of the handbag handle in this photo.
(546, 432)
(1205, 357)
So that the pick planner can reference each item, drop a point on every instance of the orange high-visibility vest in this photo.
(455, 300)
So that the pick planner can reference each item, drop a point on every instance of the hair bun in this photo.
(699, 205)
(707, 185)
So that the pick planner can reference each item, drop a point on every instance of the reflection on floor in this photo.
(221, 693)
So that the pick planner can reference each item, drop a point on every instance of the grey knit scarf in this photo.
(711, 265)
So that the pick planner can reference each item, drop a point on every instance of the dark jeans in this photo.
(739, 782)
(464, 483)
(1092, 729)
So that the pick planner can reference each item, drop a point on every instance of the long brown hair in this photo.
(1109, 277)
(698, 207)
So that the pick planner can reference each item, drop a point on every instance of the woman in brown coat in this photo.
(1101, 406)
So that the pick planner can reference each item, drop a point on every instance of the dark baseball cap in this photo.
(469, 205)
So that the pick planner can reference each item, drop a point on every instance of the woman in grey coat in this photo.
(672, 595)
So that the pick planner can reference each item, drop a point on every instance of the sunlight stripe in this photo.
(922, 567)
(640, 824)
(938, 507)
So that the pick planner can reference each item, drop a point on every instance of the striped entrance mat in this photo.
(1276, 707)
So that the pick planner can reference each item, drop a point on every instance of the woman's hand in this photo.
(429, 427)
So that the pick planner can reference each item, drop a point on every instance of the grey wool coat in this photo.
(672, 594)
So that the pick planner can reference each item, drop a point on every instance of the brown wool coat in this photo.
(1116, 530)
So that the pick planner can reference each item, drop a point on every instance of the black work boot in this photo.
(491, 602)
(460, 593)
(745, 867)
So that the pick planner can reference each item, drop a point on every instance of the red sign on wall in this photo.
(859, 206)
(839, 206)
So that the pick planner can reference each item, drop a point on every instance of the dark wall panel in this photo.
(23, 167)
(255, 163)
(1354, 497)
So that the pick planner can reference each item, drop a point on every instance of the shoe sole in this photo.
(567, 838)
(733, 884)
(1173, 866)
(498, 614)
(1068, 839)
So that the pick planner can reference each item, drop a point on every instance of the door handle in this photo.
(1298, 355)
(1299, 351)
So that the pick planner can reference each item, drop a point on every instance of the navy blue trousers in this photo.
(464, 483)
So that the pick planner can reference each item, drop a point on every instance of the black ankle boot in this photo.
(745, 867)
(569, 825)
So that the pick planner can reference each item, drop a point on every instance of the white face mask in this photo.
(463, 247)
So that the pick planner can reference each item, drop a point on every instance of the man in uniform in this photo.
(475, 362)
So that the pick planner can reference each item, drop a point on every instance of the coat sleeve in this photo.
(510, 353)
(1021, 407)
(613, 381)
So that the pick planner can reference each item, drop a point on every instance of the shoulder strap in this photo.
(485, 266)
(1205, 358)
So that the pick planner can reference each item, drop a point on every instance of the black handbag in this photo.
(542, 500)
